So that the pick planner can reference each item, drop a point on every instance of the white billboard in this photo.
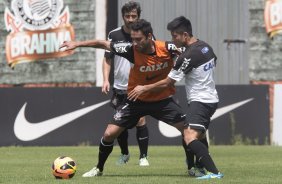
(277, 115)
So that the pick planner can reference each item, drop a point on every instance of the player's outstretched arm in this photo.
(99, 44)
(158, 86)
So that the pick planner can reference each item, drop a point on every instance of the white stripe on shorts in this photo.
(125, 106)
(197, 125)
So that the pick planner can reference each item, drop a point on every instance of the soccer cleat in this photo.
(210, 175)
(197, 172)
(93, 172)
(123, 159)
(144, 162)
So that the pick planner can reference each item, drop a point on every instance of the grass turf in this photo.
(240, 164)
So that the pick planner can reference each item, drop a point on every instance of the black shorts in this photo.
(119, 97)
(166, 110)
(199, 115)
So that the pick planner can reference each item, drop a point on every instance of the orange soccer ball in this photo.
(63, 167)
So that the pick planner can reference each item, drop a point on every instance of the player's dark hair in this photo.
(129, 6)
(142, 25)
(180, 25)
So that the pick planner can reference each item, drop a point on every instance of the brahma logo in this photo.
(37, 29)
(273, 17)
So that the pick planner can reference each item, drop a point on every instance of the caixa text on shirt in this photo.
(155, 67)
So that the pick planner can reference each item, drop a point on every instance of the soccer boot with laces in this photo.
(144, 162)
(123, 159)
(93, 172)
(210, 175)
(197, 172)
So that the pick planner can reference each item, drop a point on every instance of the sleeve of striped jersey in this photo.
(176, 75)
(123, 49)
(184, 64)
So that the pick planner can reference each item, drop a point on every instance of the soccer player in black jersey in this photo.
(130, 13)
(196, 64)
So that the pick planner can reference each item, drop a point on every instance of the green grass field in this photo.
(240, 164)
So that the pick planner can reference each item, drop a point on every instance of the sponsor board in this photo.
(273, 17)
(277, 115)
(79, 116)
(37, 29)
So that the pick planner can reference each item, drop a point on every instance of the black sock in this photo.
(205, 142)
(202, 153)
(142, 135)
(105, 150)
(189, 155)
(122, 142)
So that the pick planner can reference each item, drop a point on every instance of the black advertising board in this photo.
(79, 116)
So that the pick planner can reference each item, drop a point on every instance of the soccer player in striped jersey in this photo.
(196, 64)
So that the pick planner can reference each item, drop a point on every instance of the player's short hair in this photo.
(129, 6)
(180, 25)
(142, 25)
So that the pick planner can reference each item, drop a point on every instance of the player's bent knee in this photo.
(108, 137)
(141, 122)
(190, 135)
(112, 132)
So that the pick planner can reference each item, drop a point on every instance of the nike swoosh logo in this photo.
(169, 131)
(26, 131)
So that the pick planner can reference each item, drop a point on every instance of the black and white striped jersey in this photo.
(196, 64)
(121, 65)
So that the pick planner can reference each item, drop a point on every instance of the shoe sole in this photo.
(144, 165)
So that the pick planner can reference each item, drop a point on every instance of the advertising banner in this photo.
(37, 29)
(79, 116)
(277, 115)
(273, 17)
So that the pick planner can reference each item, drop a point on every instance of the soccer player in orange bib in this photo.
(152, 62)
